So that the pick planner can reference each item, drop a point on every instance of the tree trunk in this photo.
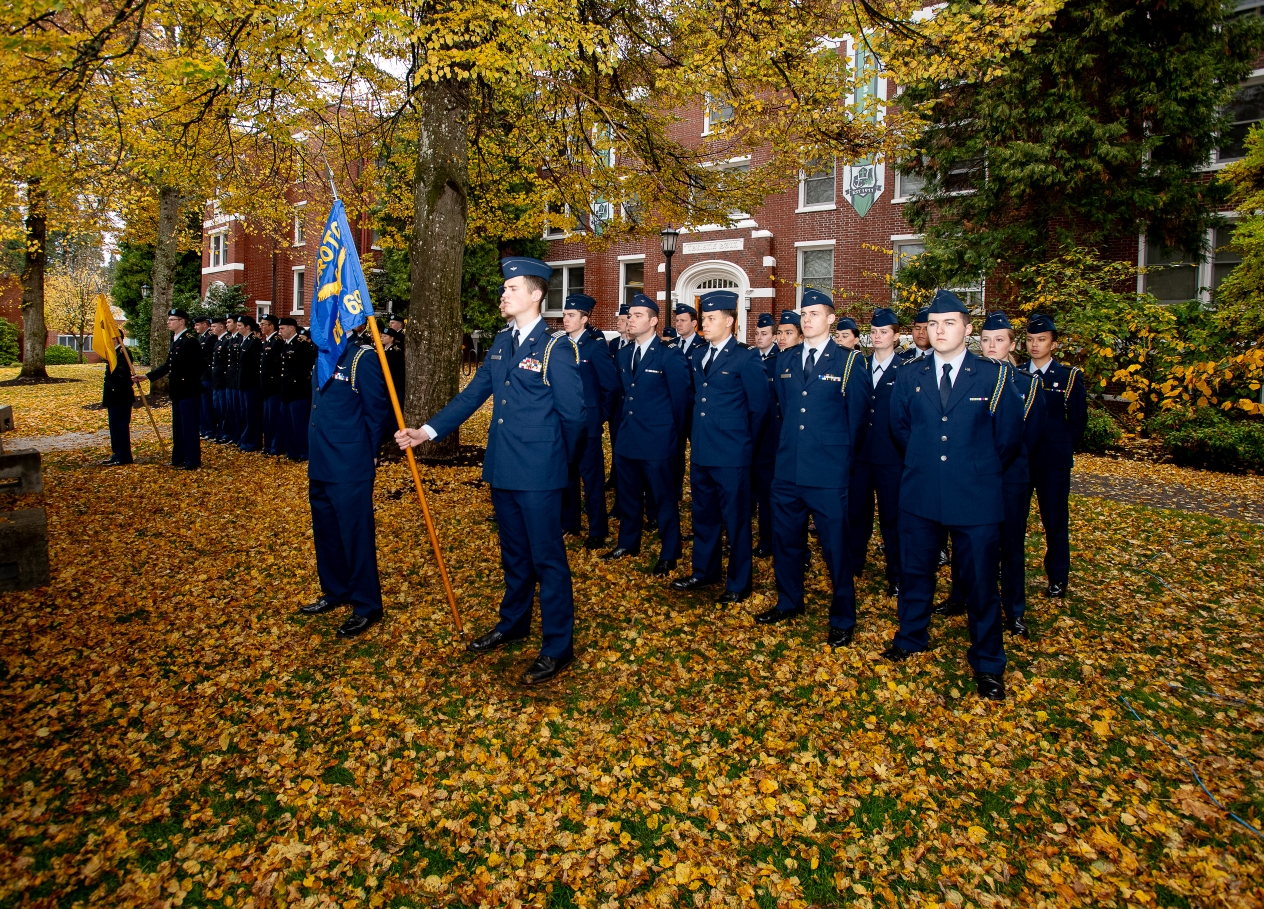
(163, 277)
(435, 255)
(35, 332)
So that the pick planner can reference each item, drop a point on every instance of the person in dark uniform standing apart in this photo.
(250, 362)
(185, 367)
(347, 416)
(537, 422)
(766, 445)
(270, 384)
(1066, 415)
(960, 424)
(921, 339)
(206, 340)
(298, 356)
(117, 397)
(823, 391)
(601, 388)
(878, 466)
(219, 375)
(656, 395)
(730, 409)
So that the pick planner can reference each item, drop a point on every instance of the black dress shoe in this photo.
(896, 654)
(949, 608)
(990, 685)
(593, 543)
(490, 641)
(691, 583)
(108, 462)
(664, 567)
(775, 615)
(357, 624)
(729, 597)
(943, 558)
(618, 553)
(1018, 627)
(1056, 591)
(839, 637)
(762, 552)
(893, 590)
(545, 668)
(324, 604)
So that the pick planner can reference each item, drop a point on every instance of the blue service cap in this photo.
(717, 301)
(847, 322)
(1041, 323)
(643, 300)
(520, 266)
(996, 321)
(765, 320)
(669, 333)
(922, 317)
(882, 317)
(813, 297)
(623, 309)
(944, 302)
(686, 308)
(790, 317)
(582, 302)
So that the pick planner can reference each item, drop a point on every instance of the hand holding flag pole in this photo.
(108, 332)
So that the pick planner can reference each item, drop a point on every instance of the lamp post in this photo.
(144, 291)
(669, 235)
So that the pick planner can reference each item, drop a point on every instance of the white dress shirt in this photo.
(803, 357)
(880, 368)
(955, 362)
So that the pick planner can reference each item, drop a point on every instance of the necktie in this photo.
(515, 342)
(807, 366)
(945, 386)
(711, 355)
(636, 358)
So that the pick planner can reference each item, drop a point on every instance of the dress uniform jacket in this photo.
(766, 454)
(270, 366)
(540, 386)
(877, 470)
(185, 366)
(600, 378)
(588, 464)
(250, 358)
(219, 361)
(297, 359)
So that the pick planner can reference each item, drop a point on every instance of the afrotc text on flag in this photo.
(340, 298)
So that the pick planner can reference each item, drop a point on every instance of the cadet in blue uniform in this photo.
(730, 408)
(270, 385)
(537, 423)
(297, 359)
(921, 340)
(601, 388)
(847, 333)
(823, 391)
(766, 445)
(616, 408)
(185, 365)
(996, 340)
(1066, 413)
(347, 416)
(689, 343)
(878, 466)
(656, 396)
(960, 424)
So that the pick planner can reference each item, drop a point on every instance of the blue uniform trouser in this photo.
(219, 400)
(206, 424)
(252, 419)
(588, 466)
(273, 417)
(791, 505)
(978, 548)
(721, 501)
(1016, 498)
(294, 428)
(652, 482)
(238, 401)
(186, 444)
(761, 499)
(532, 551)
(882, 480)
(1053, 492)
(346, 543)
(119, 418)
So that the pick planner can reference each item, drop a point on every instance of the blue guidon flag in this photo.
(340, 298)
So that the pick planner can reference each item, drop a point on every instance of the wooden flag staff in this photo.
(131, 369)
(412, 465)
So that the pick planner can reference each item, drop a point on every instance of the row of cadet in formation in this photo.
(948, 444)
(234, 381)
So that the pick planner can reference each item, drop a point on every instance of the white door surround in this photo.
(715, 274)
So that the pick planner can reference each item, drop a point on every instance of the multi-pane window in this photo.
(817, 186)
(633, 280)
(816, 270)
(1246, 110)
(904, 250)
(219, 249)
(1171, 273)
(566, 280)
(718, 112)
(908, 185)
(299, 232)
(300, 290)
(1224, 257)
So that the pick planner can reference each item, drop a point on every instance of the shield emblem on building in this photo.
(863, 184)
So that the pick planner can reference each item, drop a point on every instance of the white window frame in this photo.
(296, 299)
(222, 237)
(806, 246)
(565, 265)
(375, 239)
(1256, 78)
(299, 236)
(557, 233)
(624, 262)
(262, 308)
(707, 127)
(820, 206)
(901, 196)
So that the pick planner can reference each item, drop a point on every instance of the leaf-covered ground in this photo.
(176, 735)
(64, 407)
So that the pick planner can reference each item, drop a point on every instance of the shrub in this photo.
(8, 342)
(1205, 437)
(1101, 432)
(60, 356)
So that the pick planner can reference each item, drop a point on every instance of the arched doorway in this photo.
(716, 274)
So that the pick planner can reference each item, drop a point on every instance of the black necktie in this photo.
(807, 367)
(711, 355)
(945, 386)
(515, 342)
(636, 358)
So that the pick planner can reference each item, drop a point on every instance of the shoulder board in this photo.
(671, 344)
(558, 334)
(503, 330)
(743, 346)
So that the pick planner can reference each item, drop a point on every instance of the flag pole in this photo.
(131, 369)
(412, 466)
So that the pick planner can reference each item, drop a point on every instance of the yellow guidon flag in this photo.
(105, 331)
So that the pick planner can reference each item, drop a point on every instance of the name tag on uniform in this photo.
(785, 375)
(657, 372)
(532, 364)
(724, 372)
(829, 378)
(495, 356)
